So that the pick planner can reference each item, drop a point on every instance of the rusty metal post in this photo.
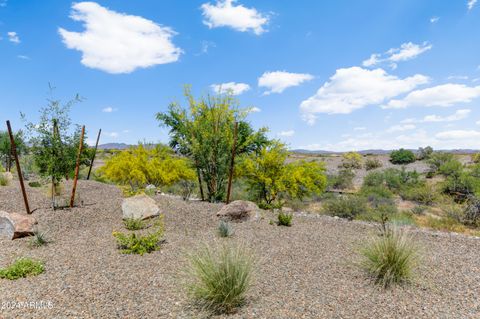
(232, 162)
(94, 153)
(19, 170)
(77, 167)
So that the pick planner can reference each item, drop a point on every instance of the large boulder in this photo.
(238, 211)
(13, 225)
(139, 207)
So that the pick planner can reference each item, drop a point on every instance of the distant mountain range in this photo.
(113, 146)
(377, 152)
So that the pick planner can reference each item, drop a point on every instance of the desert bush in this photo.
(224, 229)
(144, 164)
(205, 132)
(6, 156)
(35, 184)
(372, 163)
(3, 180)
(134, 223)
(451, 168)
(351, 160)
(437, 159)
(39, 239)
(444, 224)
(476, 158)
(423, 194)
(220, 277)
(472, 212)
(374, 179)
(461, 186)
(424, 153)
(22, 268)
(396, 179)
(285, 219)
(140, 244)
(402, 156)
(376, 192)
(342, 180)
(345, 206)
(390, 258)
(272, 181)
(418, 210)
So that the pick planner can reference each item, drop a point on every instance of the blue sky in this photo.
(334, 75)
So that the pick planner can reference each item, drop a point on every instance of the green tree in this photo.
(54, 144)
(402, 156)
(5, 148)
(205, 133)
(271, 180)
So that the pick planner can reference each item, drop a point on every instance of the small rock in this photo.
(239, 210)
(139, 207)
(15, 225)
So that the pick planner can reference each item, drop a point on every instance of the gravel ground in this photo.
(305, 271)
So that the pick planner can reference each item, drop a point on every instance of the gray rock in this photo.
(13, 225)
(139, 207)
(238, 211)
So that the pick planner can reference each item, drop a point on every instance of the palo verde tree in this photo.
(54, 143)
(6, 156)
(205, 132)
(271, 180)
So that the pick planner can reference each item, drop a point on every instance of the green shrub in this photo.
(476, 158)
(134, 223)
(376, 192)
(39, 239)
(285, 219)
(424, 153)
(390, 258)
(460, 187)
(22, 268)
(342, 180)
(396, 179)
(437, 159)
(418, 210)
(472, 212)
(224, 229)
(374, 179)
(372, 163)
(402, 156)
(140, 244)
(3, 180)
(452, 168)
(352, 160)
(423, 194)
(220, 277)
(34, 184)
(345, 206)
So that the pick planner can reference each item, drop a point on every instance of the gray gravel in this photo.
(305, 271)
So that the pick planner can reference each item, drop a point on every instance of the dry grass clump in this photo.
(390, 258)
(220, 277)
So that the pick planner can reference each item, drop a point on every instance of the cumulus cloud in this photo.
(458, 135)
(471, 4)
(457, 116)
(278, 81)
(118, 43)
(254, 110)
(354, 88)
(238, 17)
(434, 19)
(232, 87)
(286, 133)
(109, 109)
(407, 51)
(13, 37)
(441, 95)
(401, 128)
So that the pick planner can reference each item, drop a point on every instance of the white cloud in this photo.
(234, 88)
(109, 110)
(355, 88)
(13, 37)
(457, 116)
(3, 3)
(401, 128)
(458, 135)
(457, 77)
(441, 95)
(278, 81)
(118, 43)
(254, 110)
(112, 134)
(407, 51)
(359, 128)
(471, 4)
(434, 19)
(23, 57)
(287, 133)
(226, 14)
